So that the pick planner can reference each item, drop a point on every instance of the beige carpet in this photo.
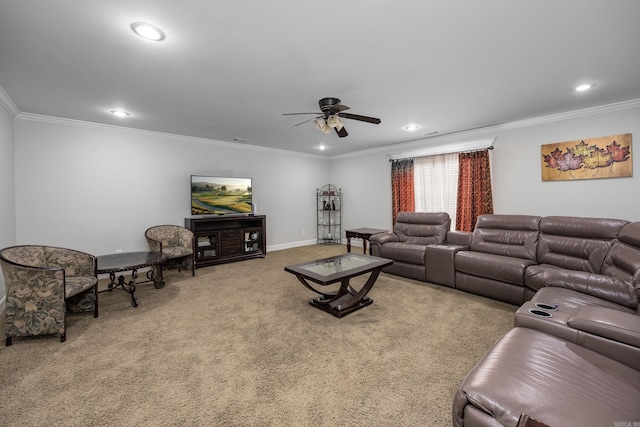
(239, 345)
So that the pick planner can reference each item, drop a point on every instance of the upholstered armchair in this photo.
(43, 284)
(174, 241)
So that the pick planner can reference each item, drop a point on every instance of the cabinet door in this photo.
(207, 246)
(252, 240)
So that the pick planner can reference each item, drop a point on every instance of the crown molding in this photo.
(585, 112)
(433, 142)
(164, 135)
(427, 143)
(8, 103)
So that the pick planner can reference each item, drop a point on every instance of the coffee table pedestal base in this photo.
(336, 307)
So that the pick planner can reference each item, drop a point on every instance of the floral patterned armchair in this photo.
(174, 241)
(43, 284)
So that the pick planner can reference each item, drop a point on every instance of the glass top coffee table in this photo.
(339, 269)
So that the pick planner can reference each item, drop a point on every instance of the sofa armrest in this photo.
(462, 238)
(154, 245)
(607, 323)
(20, 277)
(610, 288)
(382, 238)
(85, 265)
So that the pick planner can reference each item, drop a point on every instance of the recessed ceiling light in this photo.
(411, 127)
(322, 148)
(148, 31)
(584, 87)
(119, 113)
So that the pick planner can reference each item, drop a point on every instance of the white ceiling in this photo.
(229, 69)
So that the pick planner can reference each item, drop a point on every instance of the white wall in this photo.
(516, 170)
(365, 180)
(98, 188)
(7, 189)
(518, 186)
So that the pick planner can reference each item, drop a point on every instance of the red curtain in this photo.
(402, 194)
(474, 189)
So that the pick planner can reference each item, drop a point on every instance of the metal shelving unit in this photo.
(329, 207)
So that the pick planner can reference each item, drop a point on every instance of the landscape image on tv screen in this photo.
(219, 195)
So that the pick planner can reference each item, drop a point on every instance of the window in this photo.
(436, 184)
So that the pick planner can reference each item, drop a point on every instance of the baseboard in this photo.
(291, 245)
(305, 243)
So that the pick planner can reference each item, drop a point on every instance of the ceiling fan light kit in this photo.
(322, 126)
(329, 118)
(334, 122)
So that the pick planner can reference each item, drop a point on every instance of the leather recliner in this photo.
(407, 244)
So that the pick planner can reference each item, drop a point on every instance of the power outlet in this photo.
(118, 251)
(303, 231)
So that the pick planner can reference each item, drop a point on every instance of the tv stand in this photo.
(220, 239)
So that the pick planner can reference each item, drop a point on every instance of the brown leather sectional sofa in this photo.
(573, 357)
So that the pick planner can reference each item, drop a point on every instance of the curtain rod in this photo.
(458, 147)
(439, 154)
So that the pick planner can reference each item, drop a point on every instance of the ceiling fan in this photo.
(329, 117)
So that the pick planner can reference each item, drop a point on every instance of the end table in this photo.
(364, 234)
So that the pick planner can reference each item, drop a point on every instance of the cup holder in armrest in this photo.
(547, 306)
(540, 313)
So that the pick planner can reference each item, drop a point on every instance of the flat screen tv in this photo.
(211, 195)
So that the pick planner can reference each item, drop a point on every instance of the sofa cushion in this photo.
(176, 251)
(576, 243)
(74, 285)
(424, 228)
(551, 380)
(619, 291)
(506, 235)
(405, 252)
(497, 267)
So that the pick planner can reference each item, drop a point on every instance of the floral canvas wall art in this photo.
(604, 157)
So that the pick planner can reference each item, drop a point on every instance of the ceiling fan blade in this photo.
(361, 118)
(342, 132)
(306, 121)
(339, 107)
(297, 114)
